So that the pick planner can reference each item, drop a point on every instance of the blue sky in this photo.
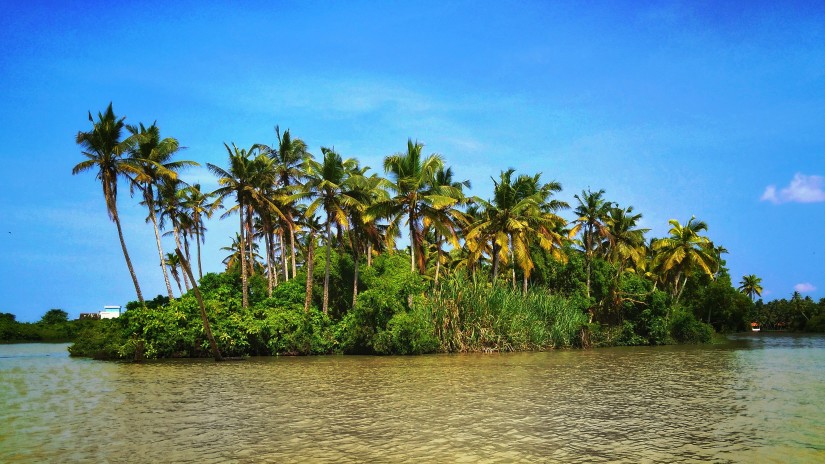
(711, 109)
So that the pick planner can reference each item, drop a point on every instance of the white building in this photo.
(110, 312)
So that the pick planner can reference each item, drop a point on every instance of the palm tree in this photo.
(104, 152)
(592, 213)
(240, 252)
(173, 262)
(313, 225)
(290, 162)
(411, 178)
(198, 205)
(626, 249)
(449, 218)
(683, 253)
(751, 286)
(520, 212)
(152, 156)
(236, 181)
(170, 209)
(326, 183)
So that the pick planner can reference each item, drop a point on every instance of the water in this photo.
(759, 398)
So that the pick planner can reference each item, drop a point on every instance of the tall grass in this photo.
(472, 315)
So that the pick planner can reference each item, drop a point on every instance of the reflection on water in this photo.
(757, 399)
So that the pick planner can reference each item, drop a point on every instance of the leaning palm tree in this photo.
(326, 185)
(520, 212)
(173, 262)
(104, 152)
(153, 157)
(410, 180)
(683, 253)
(592, 212)
(236, 182)
(199, 205)
(751, 286)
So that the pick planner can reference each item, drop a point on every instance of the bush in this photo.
(407, 333)
(685, 328)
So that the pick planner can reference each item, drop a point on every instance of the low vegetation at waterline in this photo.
(314, 267)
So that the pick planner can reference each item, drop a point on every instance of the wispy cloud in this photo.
(802, 189)
(804, 287)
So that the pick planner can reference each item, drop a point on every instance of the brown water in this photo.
(759, 398)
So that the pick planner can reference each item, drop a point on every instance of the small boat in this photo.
(755, 327)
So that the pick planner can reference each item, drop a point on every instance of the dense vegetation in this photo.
(314, 266)
(54, 326)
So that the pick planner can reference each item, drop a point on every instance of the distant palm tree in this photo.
(173, 262)
(751, 286)
(683, 253)
(199, 205)
(411, 178)
(593, 211)
(104, 151)
(326, 184)
(153, 157)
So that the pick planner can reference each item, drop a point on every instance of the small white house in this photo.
(110, 312)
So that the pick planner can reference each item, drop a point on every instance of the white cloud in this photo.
(802, 189)
(804, 287)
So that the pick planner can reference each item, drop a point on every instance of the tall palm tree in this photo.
(326, 185)
(236, 181)
(592, 212)
(173, 262)
(683, 253)
(199, 205)
(104, 151)
(290, 168)
(153, 157)
(751, 286)
(410, 180)
(448, 217)
(626, 248)
(521, 211)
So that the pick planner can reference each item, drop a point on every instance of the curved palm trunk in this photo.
(292, 247)
(355, 278)
(284, 262)
(216, 353)
(176, 276)
(160, 251)
(116, 218)
(244, 282)
(268, 243)
(177, 242)
(198, 246)
(437, 256)
(310, 269)
(326, 267)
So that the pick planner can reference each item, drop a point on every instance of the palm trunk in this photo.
(116, 218)
(188, 271)
(176, 276)
(495, 260)
(355, 279)
(437, 256)
(198, 237)
(412, 243)
(268, 243)
(326, 267)
(177, 242)
(292, 247)
(250, 239)
(284, 260)
(244, 283)
(369, 255)
(160, 251)
(310, 263)
(588, 274)
(524, 286)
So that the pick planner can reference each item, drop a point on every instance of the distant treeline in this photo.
(54, 326)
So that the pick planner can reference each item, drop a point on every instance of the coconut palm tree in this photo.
(683, 253)
(153, 157)
(751, 286)
(105, 151)
(173, 262)
(199, 205)
(448, 218)
(521, 211)
(626, 249)
(290, 169)
(236, 181)
(411, 179)
(326, 186)
(592, 212)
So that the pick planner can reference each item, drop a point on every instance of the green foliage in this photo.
(685, 328)
(407, 333)
(471, 315)
(55, 316)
